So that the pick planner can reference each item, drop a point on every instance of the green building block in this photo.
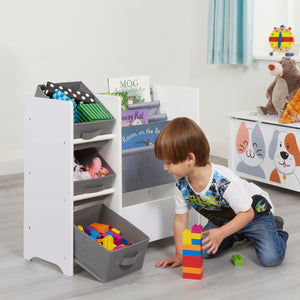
(237, 260)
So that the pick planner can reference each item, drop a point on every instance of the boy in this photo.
(233, 206)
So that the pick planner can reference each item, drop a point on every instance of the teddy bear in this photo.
(283, 88)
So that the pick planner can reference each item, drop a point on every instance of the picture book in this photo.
(142, 135)
(134, 117)
(123, 96)
(136, 87)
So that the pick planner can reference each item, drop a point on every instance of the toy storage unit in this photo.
(262, 149)
(50, 194)
(52, 201)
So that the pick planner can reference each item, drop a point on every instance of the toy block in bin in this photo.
(192, 261)
(92, 112)
(85, 130)
(103, 264)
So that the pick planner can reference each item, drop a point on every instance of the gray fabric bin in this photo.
(85, 157)
(86, 130)
(141, 169)
(106, 265)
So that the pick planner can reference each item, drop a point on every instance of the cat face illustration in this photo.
(250, 145)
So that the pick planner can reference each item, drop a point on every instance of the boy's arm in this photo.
(217, 235)
(180, 224)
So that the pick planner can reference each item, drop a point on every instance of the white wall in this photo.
(68, 40)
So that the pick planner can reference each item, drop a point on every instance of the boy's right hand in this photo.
(174, 261)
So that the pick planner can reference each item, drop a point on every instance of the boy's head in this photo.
(180, 137)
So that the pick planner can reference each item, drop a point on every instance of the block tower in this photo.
(192, 263)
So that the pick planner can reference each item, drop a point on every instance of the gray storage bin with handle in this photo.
(85, 157)
(106, 265)
(85, 130)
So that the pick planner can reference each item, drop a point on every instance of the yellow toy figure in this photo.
(292, 110)
(281, 40)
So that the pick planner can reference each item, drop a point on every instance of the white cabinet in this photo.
(49, 200)
(48, 177)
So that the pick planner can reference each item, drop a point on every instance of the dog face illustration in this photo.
(284, 152)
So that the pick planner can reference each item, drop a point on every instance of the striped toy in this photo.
(192, 263)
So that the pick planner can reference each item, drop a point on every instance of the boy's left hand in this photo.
(213, 240)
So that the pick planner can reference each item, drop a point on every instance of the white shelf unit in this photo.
(49, 203)
(152, 209)
(48, 177)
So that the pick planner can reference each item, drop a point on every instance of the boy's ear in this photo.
(191, 156)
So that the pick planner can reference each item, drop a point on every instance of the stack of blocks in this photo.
(192, 263)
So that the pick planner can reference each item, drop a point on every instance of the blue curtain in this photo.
(230, 30)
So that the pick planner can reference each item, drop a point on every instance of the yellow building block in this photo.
(80, 227)
(187, 237)
(116, 230)
(108, 243)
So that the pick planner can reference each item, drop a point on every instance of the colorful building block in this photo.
(192, 262)
(108, 243)
(101, 228)
(237, 260)
(116, 230)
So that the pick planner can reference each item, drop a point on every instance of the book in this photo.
(136, 87)
(142, 135)
(134, 117)
(123, 96)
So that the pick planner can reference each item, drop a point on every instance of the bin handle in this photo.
(127, 261)
(91, 134)
(91, 189)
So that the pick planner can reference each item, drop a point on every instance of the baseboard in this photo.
(8, 167)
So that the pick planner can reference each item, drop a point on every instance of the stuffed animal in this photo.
(283, 88)
(96, 169)
(292, 111)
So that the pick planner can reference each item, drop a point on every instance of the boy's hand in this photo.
(213, 240)
(174, 261)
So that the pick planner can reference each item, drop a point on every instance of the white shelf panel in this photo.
(92, 195)
(98, 138)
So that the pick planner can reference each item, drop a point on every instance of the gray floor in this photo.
(37, 279)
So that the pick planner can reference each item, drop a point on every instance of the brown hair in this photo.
(180, 137)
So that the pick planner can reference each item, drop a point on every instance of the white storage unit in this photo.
(262, 149)
(49, 201)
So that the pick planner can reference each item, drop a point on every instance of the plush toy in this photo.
(292, 111)
(283, 88)
(96, 169)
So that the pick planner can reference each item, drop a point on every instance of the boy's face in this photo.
(178, 170)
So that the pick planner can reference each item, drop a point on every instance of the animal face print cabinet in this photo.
(264, 150)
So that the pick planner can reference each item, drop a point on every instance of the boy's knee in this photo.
(270, 261)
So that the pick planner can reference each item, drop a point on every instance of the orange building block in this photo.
(101, 228)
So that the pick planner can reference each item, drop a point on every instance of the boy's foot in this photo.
(279, 222)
